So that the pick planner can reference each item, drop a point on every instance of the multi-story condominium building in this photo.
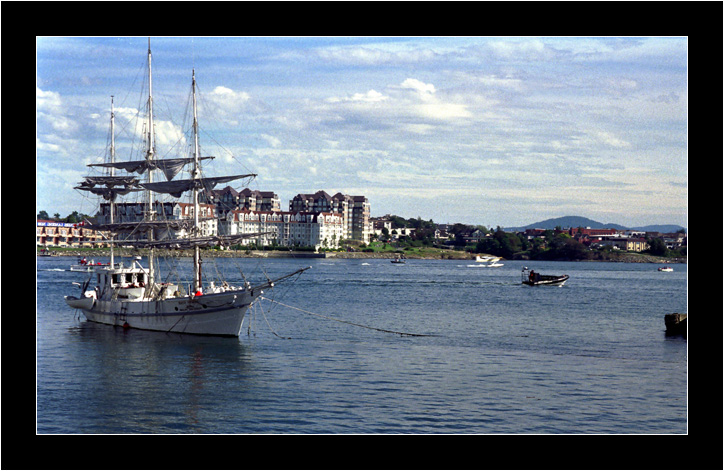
(293, 228)
(228, 199)
(355, 211)
(64, 234)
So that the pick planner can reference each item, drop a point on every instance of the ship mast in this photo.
(149, 158)
(113, 160)
(196, 176)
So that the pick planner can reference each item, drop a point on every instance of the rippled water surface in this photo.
(498, 357)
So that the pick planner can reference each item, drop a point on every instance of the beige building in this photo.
(355, 211)
(629, 244)
(64, 234)
(293, 228)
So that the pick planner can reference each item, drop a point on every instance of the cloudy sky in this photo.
(481, 130)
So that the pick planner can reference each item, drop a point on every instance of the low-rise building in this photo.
(629, 244)
(65, 234)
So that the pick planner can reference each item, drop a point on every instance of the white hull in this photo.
(213, 314)
(488, 261)
(88, 268)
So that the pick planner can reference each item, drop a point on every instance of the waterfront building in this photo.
(355, 211)
(228, 199)
(65, 234)
(285, 228)
(629, 244)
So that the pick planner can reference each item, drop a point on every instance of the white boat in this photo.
(134, 296)
(666, 269)
(488, 261)
(85, 265)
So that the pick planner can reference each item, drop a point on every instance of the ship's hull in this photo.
(219, 314)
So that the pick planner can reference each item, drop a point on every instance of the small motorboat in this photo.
(666, 269)
(531, 278)
(399, 259)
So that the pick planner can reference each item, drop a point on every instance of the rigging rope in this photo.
(350, 323)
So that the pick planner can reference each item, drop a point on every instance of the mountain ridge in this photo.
(579, 221)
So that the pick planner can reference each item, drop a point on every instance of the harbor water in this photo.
(330, 355)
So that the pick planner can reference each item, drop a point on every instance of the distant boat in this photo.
(531, 278)
(488, 261)
(399, 259)
(666, 269)
(87, 266)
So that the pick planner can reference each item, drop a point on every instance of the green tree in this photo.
(657, 246)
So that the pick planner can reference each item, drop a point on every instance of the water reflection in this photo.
(155, 382)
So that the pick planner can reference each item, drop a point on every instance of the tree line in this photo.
(72, 218)
(511, 245)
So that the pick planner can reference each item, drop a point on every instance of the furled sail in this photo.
(109, 187)
(169, 167)
(174, 224)
(177, 187)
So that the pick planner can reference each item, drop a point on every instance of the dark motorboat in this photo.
(531, 278)
(399, 259)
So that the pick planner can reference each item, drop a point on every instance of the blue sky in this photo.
(481, 130)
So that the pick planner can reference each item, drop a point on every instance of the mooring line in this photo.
(269, 325)
(348, 322)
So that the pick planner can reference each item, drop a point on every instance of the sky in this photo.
(494, 131)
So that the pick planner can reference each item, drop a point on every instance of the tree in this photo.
(43, 215)
(657, 246)
(74, 217)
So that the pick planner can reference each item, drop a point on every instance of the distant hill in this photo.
(578, 221)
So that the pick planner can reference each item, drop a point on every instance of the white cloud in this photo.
(273, 141)
(370, 96)
(418, 86)
(226, 104)
(46, 100)
(228, 97)
(528, 50)
(610, 140)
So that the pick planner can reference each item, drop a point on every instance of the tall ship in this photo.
(129, 294)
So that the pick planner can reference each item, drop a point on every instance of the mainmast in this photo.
(149, 158)
(113, 159)
(196, 176)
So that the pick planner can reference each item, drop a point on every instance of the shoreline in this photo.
(440, 255)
